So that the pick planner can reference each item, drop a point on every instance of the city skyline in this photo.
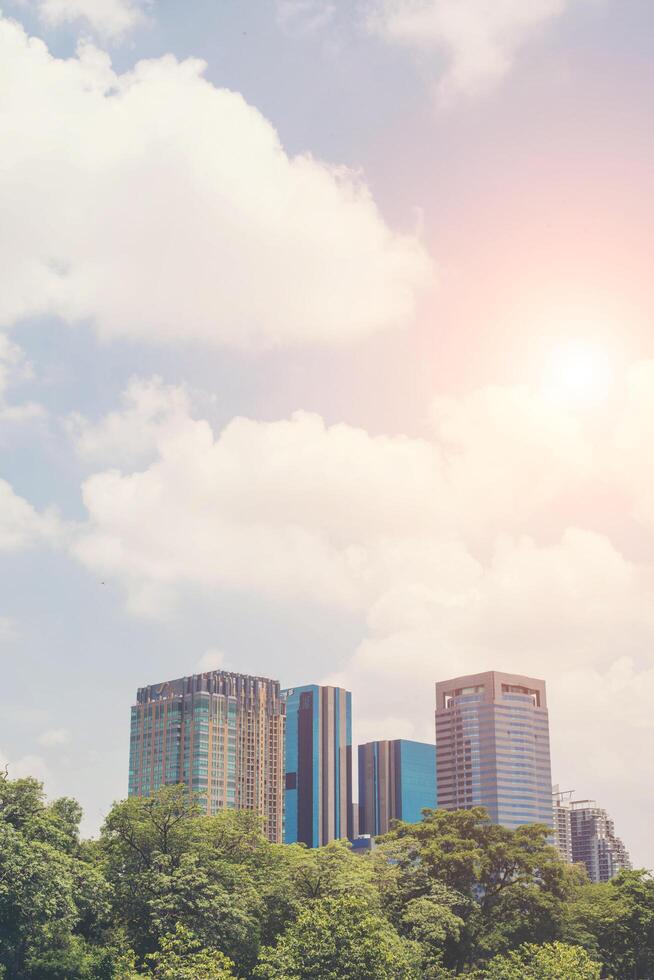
(327, 348)
(238, 741)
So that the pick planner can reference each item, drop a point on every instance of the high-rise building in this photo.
(221, 734)
(562, 826)
(397, 780)
(593, 841)
(318, 765)
(493, 747)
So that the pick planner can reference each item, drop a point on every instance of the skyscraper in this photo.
(397, 780)
(493, 747)
(219, 733)
(318, 765)
(594, 843)
(562, 826)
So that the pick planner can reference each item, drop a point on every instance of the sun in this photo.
(578, 375)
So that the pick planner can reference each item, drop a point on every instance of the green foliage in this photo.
(23, 807)
(508, 886)
(183, 957)
(169, 865)
(46, 892)
(433, 925)
(80, 960)
(169, 893)
(616, 922)
(552, 961)
(331, 872)
(338, 939)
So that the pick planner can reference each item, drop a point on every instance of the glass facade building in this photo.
(221, 734)
(493, 747)
(318, 765)
(397, 780)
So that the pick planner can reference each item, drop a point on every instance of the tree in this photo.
(170, 893)
(339, 939)
(37, 908)
(170, 864)
(50, 899)
(330, 872)
(23, 807)
(512, 884)
(431, 923)
(183, 957)
(216, 901)
(616, 922)
(80, 960)
(551, 961)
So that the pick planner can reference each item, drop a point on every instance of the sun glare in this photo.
(578, 375)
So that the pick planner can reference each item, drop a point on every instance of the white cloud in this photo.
(21, 413)
(13, 366)
(211, 660)
(633, 460)
(24, 766)
(21, 526)
(150, 412)
(480, 38)
(290, 508)
(8, 629)
(110, 18)
(525, 450)
(161, 208)
(15, 369)
(304, 16)
(296, 508)
(54, 737)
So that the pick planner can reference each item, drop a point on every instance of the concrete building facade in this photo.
(594, 843)
(221, 734)
(493, 747)
(562, 825)
(318, 765)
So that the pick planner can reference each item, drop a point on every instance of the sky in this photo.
(327, 354)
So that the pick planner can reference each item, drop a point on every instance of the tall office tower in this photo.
(562, 823)
(397, 780)
(594, 842)
(221, 734)
(318, 766)
(493, 747)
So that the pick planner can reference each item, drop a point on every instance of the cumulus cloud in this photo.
(158, 207)
(297, 508)
(15, 369)
(54, 737)
(289, 509)
(304, 16)
(633, 460)
(211, 660)
(479, 38)
(109, 18)
(150, 412)
(525, 451)
(21, 525)
(8, 629)
(22, 767)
